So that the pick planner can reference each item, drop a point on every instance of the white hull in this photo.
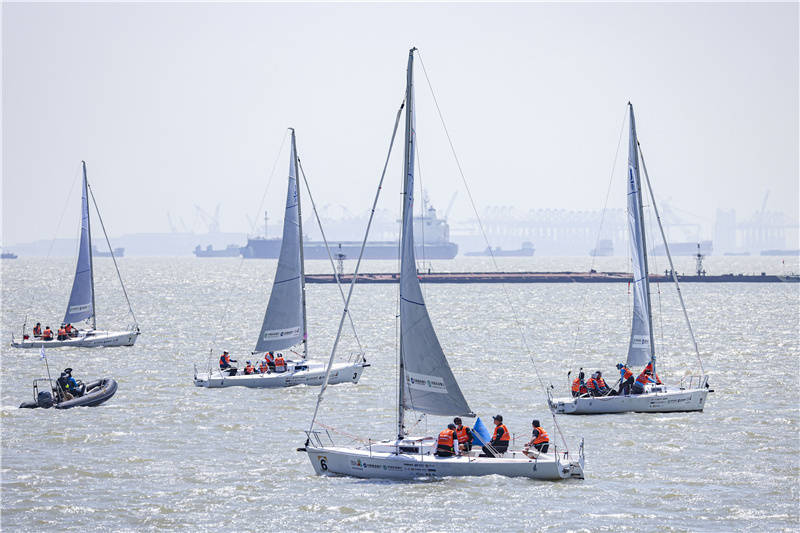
(659, 399)
(85, 339)
(310, 373)
(379, 461)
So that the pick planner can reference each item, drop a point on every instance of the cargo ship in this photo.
(232, 250)
(527, 250)
(432, 242)
(118, 252)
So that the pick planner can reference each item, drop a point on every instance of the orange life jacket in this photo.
(224, 359)
(270, 358)
(653, 376)
(577, 387)
(626, 373)
(249, 369)
(542, 437)
(62, 332)
(68, 328)
(643, 379)
(506, 435)
(280, 361)
(37, 330)
(263, 367)
(48, 334)
(445, 439)
(462, 434)
(591, 384)
(601, 383)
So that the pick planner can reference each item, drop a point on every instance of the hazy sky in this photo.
(177, 105)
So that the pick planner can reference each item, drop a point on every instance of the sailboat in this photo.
(426, 384)
(285, 324)
(81, 306)
(691, 393)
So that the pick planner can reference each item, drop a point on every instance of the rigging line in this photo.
(358, 265)
(330, 256)
(269, 182)
(422, 206)
(600, 230)
(491, 252)
(113, 257)
(669, 257)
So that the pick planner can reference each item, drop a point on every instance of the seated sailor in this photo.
(579, 386)
(225, 361)
(249, 369)
(269, 357)
(47, 334)
(62, 333)
(445, 444)
(71, 332)
(600, 384)
(71, 385)
(591, 385)
(641, 381)
(464, 435)
(625, 378)
(263, 367)
(540, 441)
(500, 439)
(650, 368)
(37, 330)
(280, 363)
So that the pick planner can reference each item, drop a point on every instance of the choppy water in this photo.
(163, 454)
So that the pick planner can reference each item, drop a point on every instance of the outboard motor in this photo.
(44, 399)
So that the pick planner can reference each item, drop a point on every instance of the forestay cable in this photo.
(358, 265)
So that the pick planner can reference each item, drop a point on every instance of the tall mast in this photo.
(635, 146)
(302, 262)
(407, 212)
(89, 232)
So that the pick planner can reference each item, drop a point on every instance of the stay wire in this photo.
(330, 257)
(491, 252)
(113, 257)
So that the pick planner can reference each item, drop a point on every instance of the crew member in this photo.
(500, 439)
(642, 380)
(70, 330)
(63, 387)
(650, 368)
(263, 367)
(539, 440)
(270, 358)
(72, 386)
(47, 334)
(591, 385)
(62, 333)
(625, 378)
(602, 388)
(578, 385)
(249, 369)
(464, 435)
(37, 330)
(225, 361)
(280, 363)
(445, 445)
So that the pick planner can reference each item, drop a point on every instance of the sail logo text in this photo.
(80, 308)
(425, 382)
(278, 333)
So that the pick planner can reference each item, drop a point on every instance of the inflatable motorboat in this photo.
(89, 394)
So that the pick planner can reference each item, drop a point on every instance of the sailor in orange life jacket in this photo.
(225, 361)
(642, 380)
(70, 331)
(625, 378)
(280, 363)
(269, 357)
(37, 330)
(601, 387)
(578, 386)
(500, 438)
(62, 334)
(249, 369)
(47, 334)
(445, 444)
(464, 435)
(539, 440)
(263, 367)
(649, 368)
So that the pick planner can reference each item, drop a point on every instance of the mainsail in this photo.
(428, 383)
(640, 349)
(283, 322)
(81, 299)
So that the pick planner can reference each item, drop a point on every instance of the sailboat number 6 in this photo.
(323, 463)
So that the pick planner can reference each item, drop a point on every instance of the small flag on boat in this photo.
(480, 434)
(41, 353)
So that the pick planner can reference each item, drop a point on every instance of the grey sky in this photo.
(176, 105)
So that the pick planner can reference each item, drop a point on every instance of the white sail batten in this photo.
(640, 349)
(428, 383)
(283, 321)
(81, 298)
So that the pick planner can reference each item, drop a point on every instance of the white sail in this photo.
(640, 349)
(81, 298)
(428, 383)
(283, 321)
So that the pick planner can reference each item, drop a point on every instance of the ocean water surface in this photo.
(166, 455)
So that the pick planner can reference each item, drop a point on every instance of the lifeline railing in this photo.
(694, 381)
(315, 437)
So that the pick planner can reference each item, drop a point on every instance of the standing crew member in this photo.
(500, 439)
(37, 330)
(642, 380)
(464, 435)
(625, 378)
(540, 441)
(650, 368)
(445, 444)
(280, 363)
(270, 358)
